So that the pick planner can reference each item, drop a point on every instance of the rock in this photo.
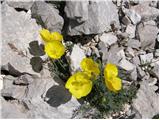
(38, 99)
(147, 35)
(146, 102)
(121, 54)
(108, 39)
(156, 54)
(136, 60)
(147, 58)
(133, 76)
(19, 4)
(16, 39)
(130, 30)
(133, 15)
(126, 65)
(75, 58)
(155, 70)
(130, 52)
(47, 15)
(146, 12)
(133, 43)
(90, 17)
(126, 20)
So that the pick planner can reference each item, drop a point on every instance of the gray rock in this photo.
(146, 58)
(130, 52)
(75, 58)
(155, 70)
(39, 99)
(126, 20)
(145, 11)
(125, 64)
(90, 17)
(19, 4)
(146, 102)
(132, 14)
(133, 43)
(133, 76)
(147, 35)
(16, 39)
(130, 30)
(108, 39)
(47, 15)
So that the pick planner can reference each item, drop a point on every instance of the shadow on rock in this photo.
(36, 50)
(57, 95)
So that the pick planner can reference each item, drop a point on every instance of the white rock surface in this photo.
(16, 38)
(108, 39)
(125, 64)
(145, 11)
(147, 58)
(48, 15)
(146, 102)
(75, 58)
(130, 30)
(147, 35)
(90, 17)
(133, 15)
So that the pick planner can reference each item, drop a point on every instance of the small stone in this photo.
(96, 38)
(75, 58)
(130, 51)
(133, 75)
(133, 43)
(121, 54)
(126, 20)
(108, 38)
(156, 54)
(152, 81)
(147, 35)
(147, 58)
(126, 65)
(136, 60)
(133, 15)
(130, 30)
(155, 70)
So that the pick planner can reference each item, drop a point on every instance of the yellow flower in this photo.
(90, 67)
(79, 85)
(57, 36)
(50, 37)
(54, 49)
(113, 82)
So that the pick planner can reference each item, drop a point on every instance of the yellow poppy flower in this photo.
(54, 49)
(90, 67)
(50, 37)
(57, 36)
(113, 82)
(79, 85)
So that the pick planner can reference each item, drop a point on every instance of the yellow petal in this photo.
(54, 49)
(45, 35)
(57, 36)
(110, 71)
(89, 66)
(79, 85)
(114, 84)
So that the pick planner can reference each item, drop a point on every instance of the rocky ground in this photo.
(124, 32)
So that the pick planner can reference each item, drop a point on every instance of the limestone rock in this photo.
(75, 58)
(130, 30)
(147, 35)
(16, 39)
(145, 11)
(146, 102)
(47, 15)
(90, 17)
(108, 38)
(19, 4)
